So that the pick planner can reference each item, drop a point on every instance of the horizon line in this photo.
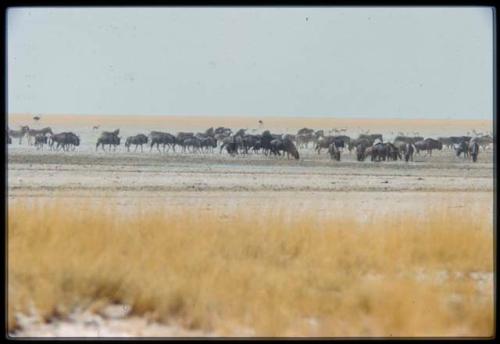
(251, 116)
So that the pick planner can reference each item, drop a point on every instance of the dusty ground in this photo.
(218, 181)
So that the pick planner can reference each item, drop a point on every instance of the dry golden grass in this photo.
(255, 270)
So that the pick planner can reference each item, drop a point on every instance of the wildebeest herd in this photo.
(365, 146)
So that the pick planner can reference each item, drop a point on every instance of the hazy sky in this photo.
(330, 61)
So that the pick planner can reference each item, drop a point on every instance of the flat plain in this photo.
(222, 186)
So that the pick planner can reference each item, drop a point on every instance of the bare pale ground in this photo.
(219, 182)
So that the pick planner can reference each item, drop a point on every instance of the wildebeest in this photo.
(371, 137)
(356, 142)
(192, 142)
(379, 151)
(334, 151)
(108, 138)
(428, 145)
(484, 141)
(462, 148)
(181, 137)
(303, 139)
(408, 139)
(326, 141)
(406, 149)
(32, 133)
(474, 149)
(40, 140)
(360, 151)
(166, 139)
(19, 133)
(208, 143)
(139, 139)
(64, 140)
(284, 145)
(393, 152)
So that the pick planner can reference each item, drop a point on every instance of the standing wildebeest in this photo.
(181, 137)
(326, 141)
(108, 138)
(483, 141)
(190, 141)
(32, 133)
(405, 149)
(408, 139)
(393, 152)
(19, 133)
(208, 143)
(379, 151)
(40, 140)
(334, 151)
(166, 139)
(371, 137)
(64, 140)
(473, 149)
(462, 147)
(303, 139)
(136, 140)
(428, 145)
(361, 150)
(356, 142)
(285, 145)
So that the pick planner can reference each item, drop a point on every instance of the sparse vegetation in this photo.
(334, 276)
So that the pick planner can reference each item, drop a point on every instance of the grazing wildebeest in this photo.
(139, 139)
(32, 133)
(473, 149)
(40, 140)
(285, 145)
(334, 151)
(166, 139)
(462, 148)
(108, 138)
(19, 133)
(428, 145)
(64, 140)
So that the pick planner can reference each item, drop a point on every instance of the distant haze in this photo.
(319, 62)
